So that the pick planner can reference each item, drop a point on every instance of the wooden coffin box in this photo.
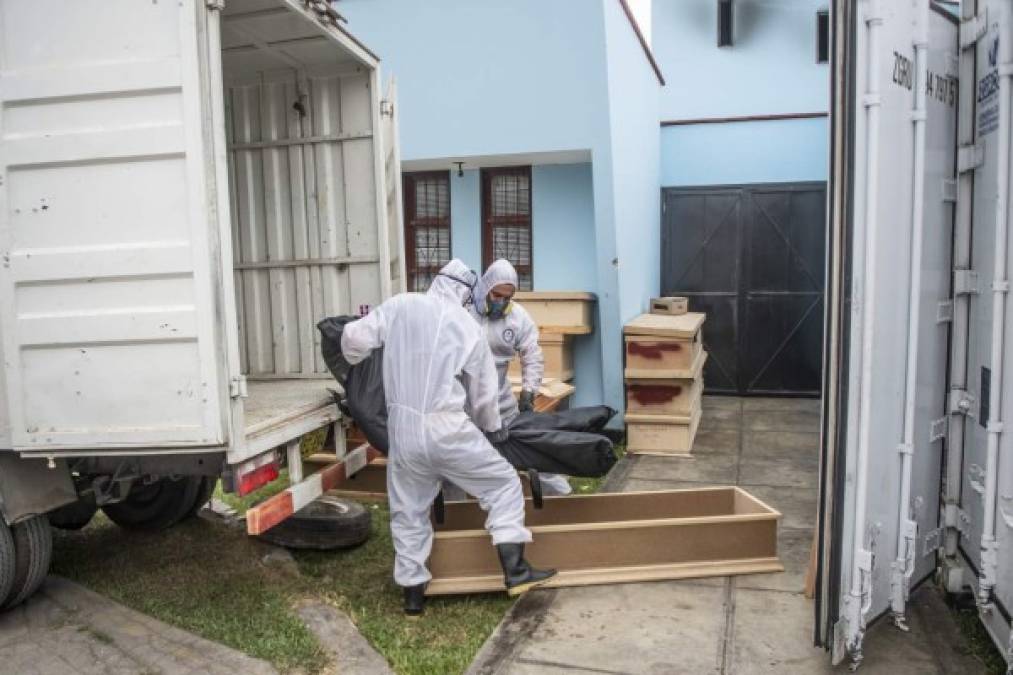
(568, 312)
(680, 396)
(670, 435)
(664, 347)
(557, 349)
(615, 537)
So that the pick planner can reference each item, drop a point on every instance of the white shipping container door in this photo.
(883, 159)
(392, 187)
(981, 371)
(110, 280)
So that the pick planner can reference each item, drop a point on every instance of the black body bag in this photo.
(568, 442)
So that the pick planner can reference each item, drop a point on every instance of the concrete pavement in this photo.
(729, 625)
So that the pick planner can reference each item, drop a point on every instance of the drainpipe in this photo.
(907, 528)
(1000, 287)
(859, 598)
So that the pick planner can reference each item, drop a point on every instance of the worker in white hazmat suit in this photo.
(436, 362)
(511, 332)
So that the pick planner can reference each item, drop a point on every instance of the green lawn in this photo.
(210, 579)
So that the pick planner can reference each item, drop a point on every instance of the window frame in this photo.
(824, 16)
(487, 226)
(408, 186)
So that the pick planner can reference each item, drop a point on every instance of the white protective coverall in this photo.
(435, 359)
(514, 334)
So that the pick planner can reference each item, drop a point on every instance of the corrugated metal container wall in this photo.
(304, 214)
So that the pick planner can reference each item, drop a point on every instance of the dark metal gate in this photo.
(752, 258)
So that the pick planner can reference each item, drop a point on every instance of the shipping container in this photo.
(917, 470)
(186, 189)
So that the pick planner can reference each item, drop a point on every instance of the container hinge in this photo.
(944, 311)
(961, 402)
(905, 449)
(965, 282)
(970, 157)
(938, 429)
(949, 190)
(387, 108)
(957, 519)
(933, 541)
(217, 5)
(972, 29)
(237, 387)
(976, 478)
(1007, 514)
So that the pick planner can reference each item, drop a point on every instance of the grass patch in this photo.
(210, 580)
(979, 642)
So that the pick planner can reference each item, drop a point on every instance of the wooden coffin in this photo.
(558, 352)
(664, 347)
(671, 305)
(613, 538)
(679, 396)
(670, 435)
(568, 312)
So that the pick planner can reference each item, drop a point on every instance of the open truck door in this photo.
(391, 153)
(111, 273)
(892, 201)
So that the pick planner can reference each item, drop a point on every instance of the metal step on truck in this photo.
(186, 188)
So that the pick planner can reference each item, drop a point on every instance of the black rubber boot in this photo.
(414, 601)
(518, 575)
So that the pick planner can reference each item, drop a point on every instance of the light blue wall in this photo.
(465, 218)
(534, 76)
(562, 212)
(770, 69)
(633, 114)
(744, 152)
(481, 78)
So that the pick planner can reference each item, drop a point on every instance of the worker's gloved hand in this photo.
(498, 436)
(527, 401)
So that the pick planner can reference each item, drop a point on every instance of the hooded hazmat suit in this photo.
(509, 336)
(434, 362)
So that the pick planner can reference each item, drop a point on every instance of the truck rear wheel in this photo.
(207, 489)
(157, 505)
(8, 563)
(33, 551)
(73, 516)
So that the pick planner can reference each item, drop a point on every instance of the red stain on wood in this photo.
(652, 350)
(654, 394)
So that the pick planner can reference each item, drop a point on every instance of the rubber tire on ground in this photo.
(73, 516)
(156, 506)
(325, 524)
(8, 559)
(33, 551)
(204, 492)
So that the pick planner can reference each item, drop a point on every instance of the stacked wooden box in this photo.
(559, 315)
(664, 382)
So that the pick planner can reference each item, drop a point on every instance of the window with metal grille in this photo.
(427, 225)
(506, 219)
(822, 36)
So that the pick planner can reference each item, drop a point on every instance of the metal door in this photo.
(752, 258)
(111, 279)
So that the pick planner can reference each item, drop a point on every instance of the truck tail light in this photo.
(258, 478)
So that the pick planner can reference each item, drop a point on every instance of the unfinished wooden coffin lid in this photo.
(564, 312)
(615, 537)
(664, 325)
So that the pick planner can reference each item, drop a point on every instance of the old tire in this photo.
(326, 524)
(33, 551)
(73, 516)
(8, 559)
(156, 506)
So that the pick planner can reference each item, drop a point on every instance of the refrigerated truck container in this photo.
(186, 188)
(917, 467)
